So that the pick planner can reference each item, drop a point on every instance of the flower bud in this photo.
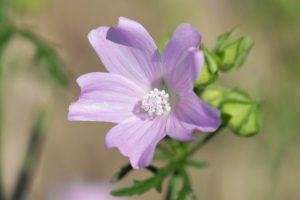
(232, 53)
(244, 114)
(209, 73)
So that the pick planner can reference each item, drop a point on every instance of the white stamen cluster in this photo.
(156, 102)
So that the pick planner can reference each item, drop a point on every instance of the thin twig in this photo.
(203, 141)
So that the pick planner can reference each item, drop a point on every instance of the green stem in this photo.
(4, 4)
(5, 36)
(173, 187)
(2, 195)
(31, 157)
(164, 150)
(203, 141)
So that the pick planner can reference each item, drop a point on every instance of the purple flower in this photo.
(149, 95)
(83, 191)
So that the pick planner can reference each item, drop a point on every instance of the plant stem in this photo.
(203, 141)
(2, 195)
(31, 157)
(4, 4)
(5, 35)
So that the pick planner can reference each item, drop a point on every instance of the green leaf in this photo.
(46, 55)
(163, 152)
(174, 187)
(209, 73)
(197, 164)
(245, 114)
(162, 44)
(5, 36)
(140, 187)
(186, 190)
(4, 5)
(24, 6)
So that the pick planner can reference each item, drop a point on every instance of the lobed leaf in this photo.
(46, 55)
(197, 164)
(140, 187)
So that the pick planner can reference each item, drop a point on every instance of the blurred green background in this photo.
(265, 166)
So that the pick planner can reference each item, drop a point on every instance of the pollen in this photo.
(156, 102)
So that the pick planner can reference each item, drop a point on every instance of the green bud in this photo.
(225, 38)
(232, 53)
(245, 115)
(214, 95)
(209, 73)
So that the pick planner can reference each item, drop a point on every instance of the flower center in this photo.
(156, 102)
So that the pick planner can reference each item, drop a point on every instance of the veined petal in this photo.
(104, 97)
(193, 111)
(184, 37)
(179, 130)
(182, 77)
(137, 139)
(127, 50)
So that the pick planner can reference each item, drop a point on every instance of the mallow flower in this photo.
(149, 95)
(83, 191)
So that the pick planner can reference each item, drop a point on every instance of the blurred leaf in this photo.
(163, 152)
(140, 187)
(174, 187)
(197, 164)
(28, 5)
(162, 44)
(186, 190)
(3, 10)
(46, 55)
(209, 73)
(5, 36)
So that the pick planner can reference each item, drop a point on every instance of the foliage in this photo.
(48, 60)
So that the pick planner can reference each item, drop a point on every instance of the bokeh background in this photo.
(262, 167)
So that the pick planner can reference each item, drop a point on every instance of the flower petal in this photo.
(183, 76)
(179, 130)
(137, 139)
(184, 37)
(127, 50)
(104, 97)
(193, 111)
